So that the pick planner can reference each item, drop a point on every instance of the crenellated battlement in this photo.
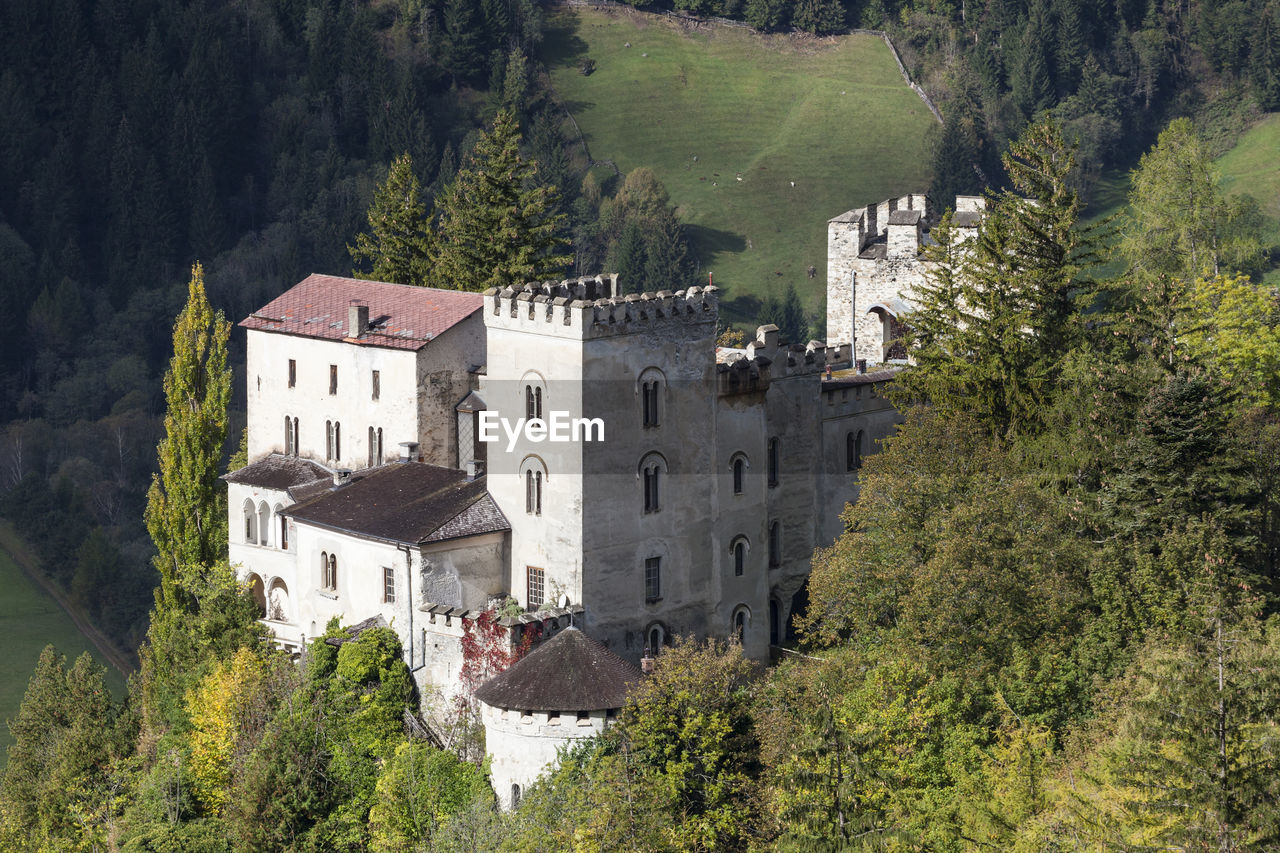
(767, 359)
(591, 308)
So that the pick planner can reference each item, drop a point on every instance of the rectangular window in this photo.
(377, 384)
(651, 489)
(333, 379)
(652, 579)
(388, 585)
(284, 533)
(293, 373)
(537, 579)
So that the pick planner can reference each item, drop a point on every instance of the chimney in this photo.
(341, 476)
(862, 365)
(646, 662)
(408, 451)
(474, 469)
(357, 320)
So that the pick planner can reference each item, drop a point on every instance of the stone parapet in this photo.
(588, 308)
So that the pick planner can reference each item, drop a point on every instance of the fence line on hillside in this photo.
(726, 22)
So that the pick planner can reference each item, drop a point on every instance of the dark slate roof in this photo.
(301, 478)
(401, 316)
(406, 502)
(569, 672)
(904, 217)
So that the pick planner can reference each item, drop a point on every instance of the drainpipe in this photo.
(408, 572)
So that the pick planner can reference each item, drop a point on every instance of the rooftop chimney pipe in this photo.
(357, 320)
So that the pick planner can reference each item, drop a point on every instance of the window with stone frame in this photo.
(333, 379)
(535, 586)
(652, 473)
(377, 384)
(293, 373)
(649, 403)
(652, 579)
(388, 585)
(533, 492)
(740, 558)
(739, 475)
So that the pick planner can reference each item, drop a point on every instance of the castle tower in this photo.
(617, 523)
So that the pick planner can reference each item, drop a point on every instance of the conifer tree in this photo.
(186, 511)
(496, 224)
(398, 240)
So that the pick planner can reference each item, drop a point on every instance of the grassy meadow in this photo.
(759, 139)
(30, 620)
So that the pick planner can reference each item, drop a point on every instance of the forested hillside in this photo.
(139, 137)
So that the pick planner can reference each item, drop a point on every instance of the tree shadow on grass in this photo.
(561, 45)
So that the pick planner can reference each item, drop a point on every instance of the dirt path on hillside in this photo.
(13, 545)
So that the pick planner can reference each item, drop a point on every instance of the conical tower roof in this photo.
(569, 672)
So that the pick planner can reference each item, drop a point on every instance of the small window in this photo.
(333, 440)
(537, 403)
(293, 373)
(295, 436)
(649, 403)
(853, 451)
(651, 478)
(328, 571)
(533, 492)
(377, 384)
(264, 524)
(656, 639)
(773, 462)
(333, 379)
(371, 449)
(328, 439)
(775, 544)
(532, 402)
(378, 457)
(739, 558)
(652, 579)
(536, 580)
(388, 585)
(739, 475)
(284, 531)
(288, 436)
(740, 626)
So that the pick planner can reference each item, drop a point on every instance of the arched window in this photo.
(328, 439)
(264, 524)
(284, 529)
(288, 436)
(652, 468)
(775, 544)
(650, 384)
(739, 550)
(739, 475)
(250, 523)
(533, 402)
(333, 572)
(853, 451)
(371, 450)
(296, 451)
(533, 492)
(773, 462)
(337, 441)
(655, 639)
(378, 457)
(739, 624)
(328, 571)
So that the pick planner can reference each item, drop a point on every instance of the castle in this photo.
(687, 498)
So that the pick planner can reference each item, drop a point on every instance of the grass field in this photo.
(1252, 167)
(30, 620)
(759, 139)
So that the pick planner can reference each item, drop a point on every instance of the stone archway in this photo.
(278, 601)
(259, 594)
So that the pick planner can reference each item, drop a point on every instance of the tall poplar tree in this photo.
(186, 511)
(497, 224)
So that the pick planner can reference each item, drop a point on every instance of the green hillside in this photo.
(30, 620)
(1253, 167)
(759, 139)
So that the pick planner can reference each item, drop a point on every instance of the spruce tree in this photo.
(794, 326)
(496, 224)
(398, 239)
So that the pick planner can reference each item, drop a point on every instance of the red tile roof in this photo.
(401, 316)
